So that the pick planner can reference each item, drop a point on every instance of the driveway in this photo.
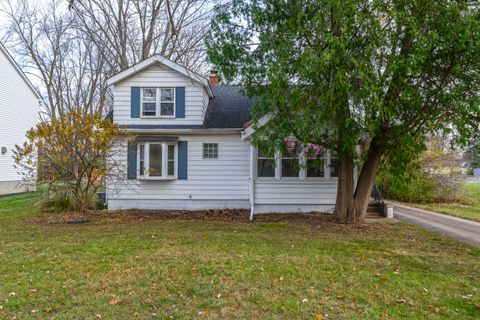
(455, 228)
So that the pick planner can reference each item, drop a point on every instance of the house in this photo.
(192, 151)
(19, 108)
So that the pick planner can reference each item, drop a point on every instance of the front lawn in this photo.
(119, 268)
(458, 210)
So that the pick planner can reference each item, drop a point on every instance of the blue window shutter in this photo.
(180, 102)
(135, 102)
(132, 161)
(182, 160)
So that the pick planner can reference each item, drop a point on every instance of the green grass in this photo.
(470, 211)
(139, 269)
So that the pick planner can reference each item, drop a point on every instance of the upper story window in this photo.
(158, 102)
(210, 151)
(157, 160)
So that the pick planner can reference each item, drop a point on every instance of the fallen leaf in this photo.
(305, 300)
(33, 290)
(328, 289)
(319, 316)
(401, 300)
(341, 297)
(113, 302)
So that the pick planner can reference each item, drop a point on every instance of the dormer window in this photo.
(158, 102)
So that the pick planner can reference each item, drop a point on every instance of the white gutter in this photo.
(252, 181)
(187, 131)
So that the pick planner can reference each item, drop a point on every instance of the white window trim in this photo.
(303, 168)
(275, 158)
(218, 150)
(326, 167)
(158, 103)
(164, 175)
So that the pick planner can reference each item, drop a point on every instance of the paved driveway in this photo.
(455, 228)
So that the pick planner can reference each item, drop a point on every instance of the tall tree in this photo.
(73, 52)
(128, 31)
(377, 74)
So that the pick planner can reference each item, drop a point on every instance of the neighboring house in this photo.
(19, 107)
(192, 151)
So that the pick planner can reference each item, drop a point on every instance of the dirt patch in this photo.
(314, 219)
(224, 215)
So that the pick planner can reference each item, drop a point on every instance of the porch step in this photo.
(374, 211)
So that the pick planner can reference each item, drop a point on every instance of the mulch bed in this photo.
(314, 219)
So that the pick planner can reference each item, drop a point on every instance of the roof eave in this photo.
(188, 131)
(250, 130)
(162, 60)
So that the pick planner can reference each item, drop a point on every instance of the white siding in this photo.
(18, 112)
(159, 76)
(224, 179)
(288, 192)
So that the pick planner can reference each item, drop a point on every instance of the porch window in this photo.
(265, 163)
(158, 102)
(334, 165)
(290, 165)
(157, 160)
(315, 160)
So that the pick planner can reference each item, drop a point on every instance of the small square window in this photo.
(210, 151)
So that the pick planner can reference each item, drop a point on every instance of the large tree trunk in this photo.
(344, 202)
(366, 181)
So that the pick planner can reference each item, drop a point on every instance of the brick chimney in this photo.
(213, 79)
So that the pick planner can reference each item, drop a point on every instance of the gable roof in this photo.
(229, 108)
(164, 61)
(19, 71)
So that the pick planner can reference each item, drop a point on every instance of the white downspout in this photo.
(252, 181)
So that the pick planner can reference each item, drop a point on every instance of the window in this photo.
(167, 102)
(142, 159)
(315, 160)
(297, 160)
(210, 151)
(290, 165)
(158, 102)
(265, 163)
(334, 166)
(149, 102)
(157, 160)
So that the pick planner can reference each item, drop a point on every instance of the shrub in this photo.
(76, 152)
(419, 186)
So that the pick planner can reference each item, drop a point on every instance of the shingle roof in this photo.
(229, 108)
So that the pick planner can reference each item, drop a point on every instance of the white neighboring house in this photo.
(193, 152)
(19, 107)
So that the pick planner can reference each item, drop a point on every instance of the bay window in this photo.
(156, 160)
